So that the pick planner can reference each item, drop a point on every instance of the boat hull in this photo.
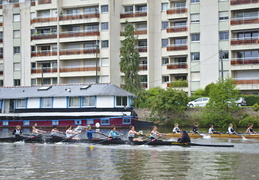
(193, 135)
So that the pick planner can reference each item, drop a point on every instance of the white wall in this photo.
(60, 102)
(33, 103)
(105, 102)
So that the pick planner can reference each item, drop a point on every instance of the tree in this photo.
(130, 60)
(221, 104)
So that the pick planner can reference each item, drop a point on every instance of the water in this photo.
(78, 161)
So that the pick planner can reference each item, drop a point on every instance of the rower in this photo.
(231, 129)
(36, 132)
(195, 128)
(17, 132)
(185, 138)
(250, 129)
(89, 132)
(55, 131)
(70, 133)
(155, 134)
(114, 134)
(176, 128)
(212, 131)
(132, 133)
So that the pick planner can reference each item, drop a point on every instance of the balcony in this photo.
(1, 23)
(142, 48)
(247, 81)
(44, 2)
(177, 10)
(143, 67)
(174, 29)
(180, 65)
(178, 84)
(133, 14)
(144, 85)
(245, 41)
(43, 19)
(1, 55)
(240, 2)
(91, 50)
(245, 20)
(1, 72)
(43, 53)
(43, 70)
(44, 36)
(78, 68)
(16, 5)
(67, 17)
(177, 47)
(69, 34)
(245, 61)
(33, 3)
(1, 40)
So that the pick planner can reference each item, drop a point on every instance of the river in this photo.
(79, 161)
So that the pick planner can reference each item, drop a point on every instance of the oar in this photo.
(243, 138)
(204, 136)
(91, 146)
(103, 134)
(60, 142)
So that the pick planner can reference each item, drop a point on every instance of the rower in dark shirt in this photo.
(185, 138)
(18, 132)
(195, 129)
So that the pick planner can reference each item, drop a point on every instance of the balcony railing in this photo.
(43, 53)
(16, 5)
(239, 41)
(143, 67)
(43, 19)
(1, 40)
(79, 51)
(178, 84)
(1, 23)
(177, 10)
(1, 72)
(142, 48)
(180, 65)
(144, 84)
(44, 36)
(138, 31)
(241, 61)
(88, 15)
(44, 1)
(177, 47)
(33, 3)
(133, 14)
(1, 55)
(245, 20)
(68, 34)
(78, 68)
(176, 29)
(44, 69)
(240, 2)
(246, 80)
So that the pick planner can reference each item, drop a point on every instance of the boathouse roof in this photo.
(18, 92)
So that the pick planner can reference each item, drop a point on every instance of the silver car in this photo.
(199, 102)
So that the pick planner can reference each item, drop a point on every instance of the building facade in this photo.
(70, 42)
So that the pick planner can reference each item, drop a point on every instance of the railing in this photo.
(142, 48)
(1, 23)
(66, 17)
(33, 3)
(44, 36)
(177, 10)
(78, 68)
(177, 47)
(239, 2)
(180, 65)
(176, 29)
(44, 69)
(16, 5)
(245, 20)
(44, 1)
(133, 14)
(1, 40)
(43, 53)
(43, 19)
(238, 41)
(143, 67)
(140, 31)
(1, 56)
(241, 61)
(1, 72)
(79, 33)
(79, 51)
(144, 84)
(246, 81)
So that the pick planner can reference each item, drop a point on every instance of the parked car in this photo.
(241, 101)
(199, 102)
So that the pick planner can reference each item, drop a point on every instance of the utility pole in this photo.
(221, 60)
(96, 67)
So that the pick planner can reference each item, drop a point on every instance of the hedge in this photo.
(251, 99)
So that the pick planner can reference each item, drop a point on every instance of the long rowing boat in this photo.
(107, 141)
(193, 135)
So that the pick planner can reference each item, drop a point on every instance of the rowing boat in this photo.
(107, 141)
(193, 135)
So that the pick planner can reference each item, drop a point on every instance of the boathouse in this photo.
(62, 105)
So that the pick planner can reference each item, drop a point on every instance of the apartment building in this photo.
(71, 42)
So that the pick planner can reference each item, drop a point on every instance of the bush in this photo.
(247, 119)
(255, 107)
(179, 83)
(251, 99)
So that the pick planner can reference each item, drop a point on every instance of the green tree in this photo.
(208, 89)
(222, 103)
(129, 62)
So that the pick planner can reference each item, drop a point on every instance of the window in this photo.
(16, 50)
(180, 41)
(105, 43)
(78, 122)
(16, 17)
(165, 60)
(164, 42)
(1, 82)
(90, 121)
(141, 8)
(223, 35)
(224, 55)
(73, 11)
(105, 62)
(195, 37)
(26, 123)
(5, 123)
(88, 101)
(91, 10)
(16, 34)
(195, 1)
(223, 15)
(248, 35)
(121, 101)
(16, 66)
(195, 56)
(126, 121)
(104, 26)
(164, 7)
(195, 18)
(104, 8)
(165, 79)
(33, 15)
(46, 81)
(17, 82)
(1, 35)
(247, 54)
(92, 27)
(46, 102)
(164, 25)
(55, 122)
(128, 9)
(180, 24)
(141, 26)
(1, 50)
(20, 103)
(33, 82)
(180, 5)
(105, 121)
(1, 18)
(246, 14)
(73, 102)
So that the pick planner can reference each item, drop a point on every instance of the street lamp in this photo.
(96, 68)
